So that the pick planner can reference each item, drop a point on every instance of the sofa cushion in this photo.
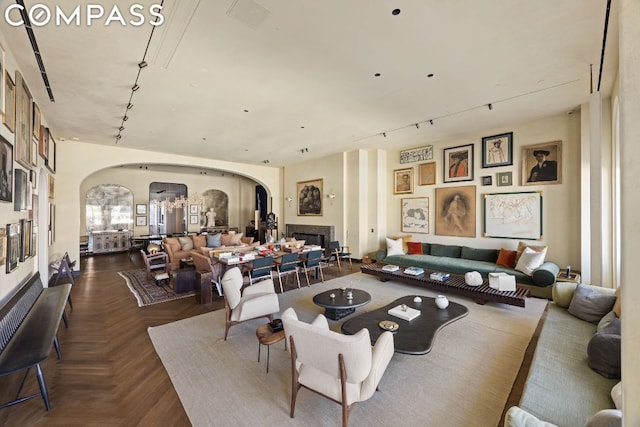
(489, 255)
(247, 240)
(522, 245)
(604, 351)
(517, 417)
(405, 239)
(616, 395)
(199, 241)
(530, 260)
(172, 244)
(186, 244)
(226, 239)
(415, 248)
(236, 239)
(426, 249)
(590, 305)
(546, 274)
(450, 251)
(507, 258)
(605, 418)
(214, 240)
(617, 305)
(394, 247)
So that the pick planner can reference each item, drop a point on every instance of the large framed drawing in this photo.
(6, 170)
(23, 122)
(427, 173)
(513, 215)
(403, 181)
(455, 211)
(416, 154)
(415, 215)
(458, 163)
(542, 163)
(13, 247)
(310, 197)
(497, 150)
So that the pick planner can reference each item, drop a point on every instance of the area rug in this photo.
(147, 292)
(464, 381)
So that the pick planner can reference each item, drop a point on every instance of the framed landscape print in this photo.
(403, 181)
(415, 215)
(504, 179)
(427, 173)
(497, 150)
(416, 154)
(310, 197)
(9, 117)
(6, 170)
(513, 215)
(455, 211)
(23, 122)
(542, 163)
(458, 163)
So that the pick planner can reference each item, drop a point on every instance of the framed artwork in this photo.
(33, 213)
(43, 146)
(3, 245)
(193, 219)
(513, 215)
(6, 170)
(415, 215)
(458, 163)
(141, 221)
(34, 239)
(455, 211)
(193, 209)
(416, 154)
(403, 181)
(52, 186)
(504, 179)
(486, 180)
(50, 162)
(3, 70)
(25, 239)
(542, 163)
(497, 150)
(20, 190)
(35, 125)
(310, 197)
(13, 247)
(141, 209)
(52, 223)
(427, 173)
(33, 178)
(23, 122)
(9, 117)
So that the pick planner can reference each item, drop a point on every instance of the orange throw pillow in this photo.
(507, 258)
(415, 248)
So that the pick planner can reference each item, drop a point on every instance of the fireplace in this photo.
(311, 234)
(310, 239)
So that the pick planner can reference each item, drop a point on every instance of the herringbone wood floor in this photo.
(110, 374)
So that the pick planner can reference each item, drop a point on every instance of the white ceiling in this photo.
(305, 73)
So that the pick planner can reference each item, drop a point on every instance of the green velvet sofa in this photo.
(462, 259)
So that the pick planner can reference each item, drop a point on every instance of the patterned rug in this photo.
(147, 292)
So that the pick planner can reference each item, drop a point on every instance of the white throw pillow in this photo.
(530, 260)
(516, 417)
(394, 247)
(616, 395)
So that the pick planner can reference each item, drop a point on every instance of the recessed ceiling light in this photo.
(395, 12)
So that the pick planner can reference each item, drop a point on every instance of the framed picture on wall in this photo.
(3, 245)
(23, 122)
(513, 215)
(415, 215)
(310, 197)
(50, 162)
(43, 146)
(141, 221)
(193, 209)
(6, 170)
(504, 179)
(497, 150)
(9, 118)
(542, 163)
(403, 181)
(427, 173)
(52, 186)
(458, 163)
(416, 154)
(455, 211)
(194, 219)
(486, 180)
(13, 247)
(141, 209)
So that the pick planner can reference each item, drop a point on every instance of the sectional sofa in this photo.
(178, 248)
(462, 259)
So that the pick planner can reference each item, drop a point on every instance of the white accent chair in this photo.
(342, 368)
(257, 300)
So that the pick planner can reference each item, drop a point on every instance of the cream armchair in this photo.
(343, 368)
(258, 300)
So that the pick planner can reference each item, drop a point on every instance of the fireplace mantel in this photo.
(328, 231)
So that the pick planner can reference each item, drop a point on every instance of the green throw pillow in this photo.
(488, 255)
(445, 250)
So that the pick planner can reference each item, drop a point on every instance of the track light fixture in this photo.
(417, 126)
(129, 106)
(125, 118)
(142, 64)
(118, 136)
(431, 122)
(384, 134)
(304, 150)
(265, 162)
(121, 128)
(135, 87)
(490, 106)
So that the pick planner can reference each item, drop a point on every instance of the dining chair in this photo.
(338, 253)
(156, 265)
(313, 262)
(261, 268)
(289, 264)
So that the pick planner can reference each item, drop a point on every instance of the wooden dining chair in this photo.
(289, 264)
(313, 262)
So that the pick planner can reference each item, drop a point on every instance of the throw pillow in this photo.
(199, 241)
(487, 255)
(604, 351)
(617, 305)
(445, 250)
(517, 417)
(235, 239)
(405, 239)
(225, 239)
(522, 245)
(415, 248)
(507, 258)
(606, 320)
(616, 395)
(590, 305)
(605, 418)
(214, 240)
(530, 260)
(394, 247)
(186, 243)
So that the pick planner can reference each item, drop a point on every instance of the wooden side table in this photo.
(574, 277)
(267, 337)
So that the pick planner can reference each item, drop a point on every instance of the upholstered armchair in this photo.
(343, 368)
(255, 301)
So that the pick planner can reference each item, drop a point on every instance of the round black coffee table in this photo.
(339, 306)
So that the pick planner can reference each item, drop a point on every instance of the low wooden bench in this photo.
(29, 321)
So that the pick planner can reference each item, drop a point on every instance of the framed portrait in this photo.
(427, 173)
(141, 209)
(193, 209)
(193, 219)
(13, 247)
(403, 181)
(20, 190)
(9, 117)
(3, 245)
(310, 197)
(50, 162)
(416, 154)
(6, 170)
(43, 146)
(504, 179)
(141, 221)
(513, 215)
(23, 122)
(486, 180)
(415, 215)
(455, 211)
(542, 163)
(458, 163)
(25, 239)
(51, 183)
(497, 150)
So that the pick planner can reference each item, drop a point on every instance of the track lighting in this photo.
(417, 126)
(121, 128)
(490, 107)
(142, 64)
(135, 87)
(304, 150)
(431, 122)
(125, 118)
(129, 106)
(118, 136)
(384, 134)
(265, 162)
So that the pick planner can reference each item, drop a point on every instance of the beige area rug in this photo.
(464, 381)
